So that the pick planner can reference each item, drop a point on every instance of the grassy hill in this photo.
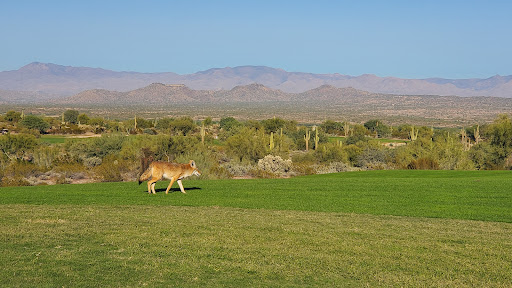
(379, 228)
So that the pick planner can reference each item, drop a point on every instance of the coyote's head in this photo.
(195, 171)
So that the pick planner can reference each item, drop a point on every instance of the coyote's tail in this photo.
(145, 176)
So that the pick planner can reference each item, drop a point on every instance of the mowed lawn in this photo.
(377, 228)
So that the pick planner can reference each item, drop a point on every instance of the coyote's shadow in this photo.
(172, 190)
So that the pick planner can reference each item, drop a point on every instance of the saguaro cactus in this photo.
(306, 138)
(465, 139)
(413, 134)
(316, 139)
(203, 133)
(477, 134)
(271, 141)
(346, 128)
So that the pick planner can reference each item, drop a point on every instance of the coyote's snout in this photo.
(171, 171)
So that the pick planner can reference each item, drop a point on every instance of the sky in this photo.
(407, 39)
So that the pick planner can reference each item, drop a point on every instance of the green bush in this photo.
(247, 144)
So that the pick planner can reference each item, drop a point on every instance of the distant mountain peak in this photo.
(36, 67)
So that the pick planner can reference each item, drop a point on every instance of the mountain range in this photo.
(42, 82)
(168, 94)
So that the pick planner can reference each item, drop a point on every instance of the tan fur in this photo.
(171, 171)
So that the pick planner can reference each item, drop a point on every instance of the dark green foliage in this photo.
(378, 128)
(500, 133)
(164, 124)
(229, 123)
(35, 122)
(273, 125)
(12, 116)
(332, 127)
(96, 122)
(83, 119)
(358, 130)
(95, 147)
(71, 116)
(207, 122)
(180, 126)
(402, 131)
(487, 157)
(184, 125)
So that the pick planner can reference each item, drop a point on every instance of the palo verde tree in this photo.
(377, 127)
(35, 122)
(71, 116)
(12, 116)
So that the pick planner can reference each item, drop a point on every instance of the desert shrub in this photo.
(258, 173)
(92, 162)
(283, 144)
(423, 164)
(303, 168)
(108, 170)
(71, 170)
(237, 169)
(45, 155)
(169, 148)
(22, 169)
(15, 181)
(331, 152)
(247, 144)
(304, 157)
(149, 131)
(275, 164)
(373, 157)
(353, 151)
(218, 172)
(17, 173)
(99, 146)
(206, 162)
(17, 145)
(133, 145)
(487, 157)
(333, 167)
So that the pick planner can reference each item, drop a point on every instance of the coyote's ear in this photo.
(192, 164)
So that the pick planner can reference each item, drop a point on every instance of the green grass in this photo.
(53, 139)
(379, 228)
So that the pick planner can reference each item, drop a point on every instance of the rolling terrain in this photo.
(38, 80)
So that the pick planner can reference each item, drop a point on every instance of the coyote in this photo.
(171, 171)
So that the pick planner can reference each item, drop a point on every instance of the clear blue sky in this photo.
(408, 39)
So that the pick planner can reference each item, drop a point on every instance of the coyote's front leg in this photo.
(181, 187)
